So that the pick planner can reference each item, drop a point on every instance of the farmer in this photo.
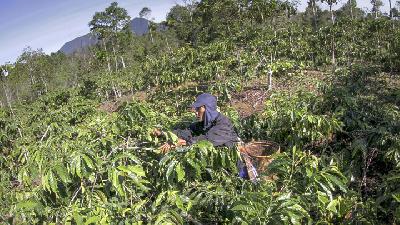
(211, 126)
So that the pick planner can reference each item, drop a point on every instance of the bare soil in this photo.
(251, 100)
(112, 106)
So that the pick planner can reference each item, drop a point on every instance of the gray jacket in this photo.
(220, 133)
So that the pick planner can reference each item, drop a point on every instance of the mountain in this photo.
(79, 43)
(139, 26)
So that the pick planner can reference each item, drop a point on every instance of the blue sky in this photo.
(48, 24)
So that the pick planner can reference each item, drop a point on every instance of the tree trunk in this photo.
(17, 95)
(333, 52)
(351, 9)
(151, 34)
(8, 100)
(5, 87)
(333, 37)
(114, 90)
(166, 41)
(32, 78)
(270, 76)
(376, 9)
(108, 60)
(123, 62)
(44, 83)
(390, 9)
(115, 56)
(270, 79)
(314, 10)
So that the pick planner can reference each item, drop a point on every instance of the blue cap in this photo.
(205, 99)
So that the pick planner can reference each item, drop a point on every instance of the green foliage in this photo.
(64, 160)
(293, 119)
(199, 162)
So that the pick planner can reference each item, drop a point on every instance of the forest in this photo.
(76, 131)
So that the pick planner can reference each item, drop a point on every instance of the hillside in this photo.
(77, 132)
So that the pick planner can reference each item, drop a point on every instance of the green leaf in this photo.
(179, 202)
(52, 182)
(322, 197)
(180, 172)
(78, 168)
(332, 206)
(338, 182)
(165, 159)
(171, 137)
(177, 218)
(62, 172)
(327, 191)
(27, 205)
(92, 220)
(116, 184)
(88, 161)
(170, 167)
(78, 218)
(195, 166)
(396, 197)
(159, 198)
(246, 208)
(45, 182)
(284, 196)
(137, 170)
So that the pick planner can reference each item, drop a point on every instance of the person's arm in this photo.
(190, 134)
(198, 138)
(222, 133)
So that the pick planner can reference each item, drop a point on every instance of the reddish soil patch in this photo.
(249, 101)
(109, 106)
(252, 99)
(112, 106)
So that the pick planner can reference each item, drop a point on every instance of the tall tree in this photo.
(330, 3)
(190, 5)
(376, 5)
(146, 13)
(109, 25)
(34, 65)
(350, 9)
(3, 79)
(179, 19)
(395, 10)
(312, 5)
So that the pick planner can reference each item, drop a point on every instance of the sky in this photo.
(48, 24)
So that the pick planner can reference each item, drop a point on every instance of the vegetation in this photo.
(72, 152)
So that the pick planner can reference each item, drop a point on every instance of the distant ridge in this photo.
(139, 26)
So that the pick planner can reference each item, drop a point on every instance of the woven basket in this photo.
(260, 153)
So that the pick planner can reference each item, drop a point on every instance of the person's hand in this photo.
(181, 142)
(165, 148)
(157, 132)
